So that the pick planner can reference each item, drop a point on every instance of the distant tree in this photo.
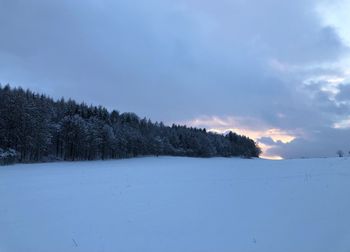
(36, 128)
(340, 153)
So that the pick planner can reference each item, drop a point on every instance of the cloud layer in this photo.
(280, 65)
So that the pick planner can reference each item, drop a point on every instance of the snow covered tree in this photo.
(34, 127)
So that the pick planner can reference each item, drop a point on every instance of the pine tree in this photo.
(34, 127)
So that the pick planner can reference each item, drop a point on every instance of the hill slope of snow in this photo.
(170, 204)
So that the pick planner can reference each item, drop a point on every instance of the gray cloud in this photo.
(269, 141)
(175, 61)
(344, 93)
(323, 143)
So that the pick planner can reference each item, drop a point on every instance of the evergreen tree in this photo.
(36, 128)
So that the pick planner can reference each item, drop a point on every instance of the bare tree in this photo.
(340, 153)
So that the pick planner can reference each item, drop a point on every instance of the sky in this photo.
(276, 71)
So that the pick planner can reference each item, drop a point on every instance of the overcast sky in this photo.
(277, 71)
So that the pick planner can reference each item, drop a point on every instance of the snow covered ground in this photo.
(170, 204)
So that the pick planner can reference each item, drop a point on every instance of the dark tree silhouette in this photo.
(37, 128)
(340, 153)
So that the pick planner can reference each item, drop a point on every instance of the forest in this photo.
(37, 128)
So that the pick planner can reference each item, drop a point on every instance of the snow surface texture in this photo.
(170, 204)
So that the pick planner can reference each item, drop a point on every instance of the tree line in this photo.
(36, 128)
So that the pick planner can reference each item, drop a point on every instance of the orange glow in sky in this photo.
(222, 125)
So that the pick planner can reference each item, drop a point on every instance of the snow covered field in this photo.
(171, 204)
